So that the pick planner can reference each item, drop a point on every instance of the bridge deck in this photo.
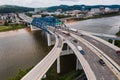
(41, 68)
(92, 59)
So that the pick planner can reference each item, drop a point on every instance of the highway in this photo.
(25, 18)
(94, 50)
(101, 72)
(42, 67)
(105, 48)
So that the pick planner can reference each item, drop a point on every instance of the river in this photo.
(22, 48)
(107, 25)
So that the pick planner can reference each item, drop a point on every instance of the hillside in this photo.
(14, 9)
(79, 7)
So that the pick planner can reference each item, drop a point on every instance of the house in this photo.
(2, 22)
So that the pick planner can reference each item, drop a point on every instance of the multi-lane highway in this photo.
(101, 72)
(94, 50)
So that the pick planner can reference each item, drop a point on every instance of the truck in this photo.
(65, 32)
(73, 29)
(81, 50)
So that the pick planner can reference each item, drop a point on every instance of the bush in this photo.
(20, 74)
(6, 23)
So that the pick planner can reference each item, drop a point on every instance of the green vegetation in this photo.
(20, 74)
(118, 33)
(11, 27)
(79, 7)
(71, 75)
(51, 74)
(28, 14)
(14, 9)
(117, 42)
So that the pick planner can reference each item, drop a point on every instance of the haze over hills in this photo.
(16, 9)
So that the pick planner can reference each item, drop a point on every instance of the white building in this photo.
(95, 10)
(36, 16)
(107, 9)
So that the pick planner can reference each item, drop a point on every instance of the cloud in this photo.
(70, 0)
(47, 3)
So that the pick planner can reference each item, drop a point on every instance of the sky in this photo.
(47, 3)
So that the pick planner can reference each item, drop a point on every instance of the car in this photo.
(81, 35)
(75, 41)
(101, 62)
(81, 50)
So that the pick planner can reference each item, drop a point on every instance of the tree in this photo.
(6, 23)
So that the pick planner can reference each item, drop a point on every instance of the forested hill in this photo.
(14, 9)
(79, 7)
(17, 9)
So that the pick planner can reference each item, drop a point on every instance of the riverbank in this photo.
(94, 17)
(50, 75)
(11, 27)
(118, 33)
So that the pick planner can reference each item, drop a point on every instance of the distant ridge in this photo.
(79, 7)
(17, 9)
(14, 9)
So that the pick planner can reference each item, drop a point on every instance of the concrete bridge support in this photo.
(49, 39)
(34, 28)
(68, 51)
(78, 65)
(113, 42)
(58, 64)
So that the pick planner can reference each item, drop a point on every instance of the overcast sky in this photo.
(47, 3)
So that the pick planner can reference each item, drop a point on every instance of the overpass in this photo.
(89, 61)
(29, 20)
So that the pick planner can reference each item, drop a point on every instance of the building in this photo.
(2, 22)
(36, 16)
(95, 10)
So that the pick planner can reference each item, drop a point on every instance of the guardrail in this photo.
(104, 56)
(116, 66)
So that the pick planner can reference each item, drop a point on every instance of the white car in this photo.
(81, 50)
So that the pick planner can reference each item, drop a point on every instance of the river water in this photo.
(22, 48)
(107, 25)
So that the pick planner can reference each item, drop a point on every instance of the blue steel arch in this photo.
(44, 22)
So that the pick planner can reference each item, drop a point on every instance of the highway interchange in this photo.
(91, 56)
(101, 72)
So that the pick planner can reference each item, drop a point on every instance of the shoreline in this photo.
(74, 21)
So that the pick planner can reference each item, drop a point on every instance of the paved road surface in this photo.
(101, 72)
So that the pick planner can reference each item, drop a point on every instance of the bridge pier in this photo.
(78, 65)
(49, 39)
(113, 42)
(34, 28)
(58, 65)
